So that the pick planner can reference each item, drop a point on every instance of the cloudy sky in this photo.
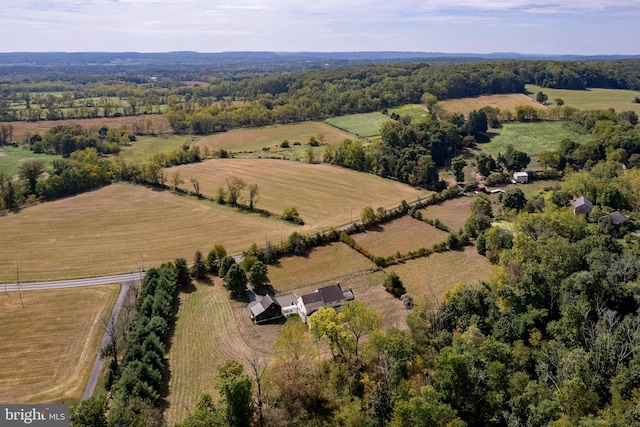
(475, 26)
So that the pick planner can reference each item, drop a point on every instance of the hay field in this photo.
(400, 235)
(212, 328)
(439, 272)
(591, 99)
(452, 213)
(254, 139)
(324, 264)
(49, 346)
(324, 195)
(22, 128)
(109, 230)
(505, 102)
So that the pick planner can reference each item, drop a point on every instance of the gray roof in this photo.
(582, 201)
(331, 293)
(617, 217)
(312, 297)
(285, 300)
(261, 305)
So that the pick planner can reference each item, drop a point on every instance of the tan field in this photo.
(452, 213)
(436, 274)
(324, 195)
(507, 102)
(110, 230)
(48, 346)
(271, 136)
(402, 235)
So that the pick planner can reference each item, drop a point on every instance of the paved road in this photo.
(72, 283)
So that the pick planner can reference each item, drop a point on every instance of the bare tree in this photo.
(258, 366)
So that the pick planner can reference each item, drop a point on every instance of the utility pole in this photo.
(18, 284)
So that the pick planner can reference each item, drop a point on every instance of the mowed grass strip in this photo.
(324, 264)
(591, 99)
(48, 346)
(401, 235)
(363, 124)
(255, 139)
(505, 102)
(324, 195)
(436, 274)
(532, 137)
(110, 230)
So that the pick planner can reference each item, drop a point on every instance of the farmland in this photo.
(591, 99)
(402, 235)
(110, 230)
(452, 213)
(415, 111)
(146, 146)
(11, 158)
(48, 346)
(532, 137)
(364, 125)
(255, 139)
(324, 195)
(507, 102)
(434, 275)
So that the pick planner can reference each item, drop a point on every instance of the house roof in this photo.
(617, 217)
(331, 293)
(521, 174)
(311, 298)
(259, 306)
(582, 201)
(285, 300)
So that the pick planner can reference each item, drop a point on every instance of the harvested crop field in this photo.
(110, 230)
(324, 195)
(507, 102)
(271, 137)
(592, 98)
(323, 264)
(452, 213)
(21, 129)
(48, 346)
(401, 235)
(439, 272)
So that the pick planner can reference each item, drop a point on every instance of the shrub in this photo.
(394, 286)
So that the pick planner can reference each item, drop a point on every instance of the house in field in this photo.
(521, 177)
(582, 205)
(328, 297)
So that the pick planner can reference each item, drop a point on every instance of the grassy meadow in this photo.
(401, 235)
(505, 102)
(591, 99)
(438, 273)
(324, 195)
(110, 230)
(253, 140)
(12, 157)
(415, 111)
(146, 146)
(363, 125)
(48, 346)
(532, 137)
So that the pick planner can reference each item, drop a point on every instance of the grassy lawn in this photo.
(109, 230)
(12, 157)
(505, 102)
(439, 272)
(591, 99)
(254, 139)
(146, 146)
(401, 235)
(48, 346)
(324, 195)
(415, 111)
(532, 138)
(364, 125)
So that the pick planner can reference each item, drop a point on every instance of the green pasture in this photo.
(591, 99)
(415, 111)
(12, 157)
(364, 125)
(532, 137)
(146, 146)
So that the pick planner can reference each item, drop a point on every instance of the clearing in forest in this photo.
(533, 137)
(591, 99)
(505, 102)
(401, 235)
(363, 125)
(116, 228)
(48, 346)
(433, 276)
(325, 195)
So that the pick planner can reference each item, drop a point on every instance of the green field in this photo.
(11, 158)
(532, 138)
(591, 99)
(146, 146)
(415, 111)
(364, 125)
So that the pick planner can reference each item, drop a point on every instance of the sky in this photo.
(580, 27)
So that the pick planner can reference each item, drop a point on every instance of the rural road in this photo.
(71, 283)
